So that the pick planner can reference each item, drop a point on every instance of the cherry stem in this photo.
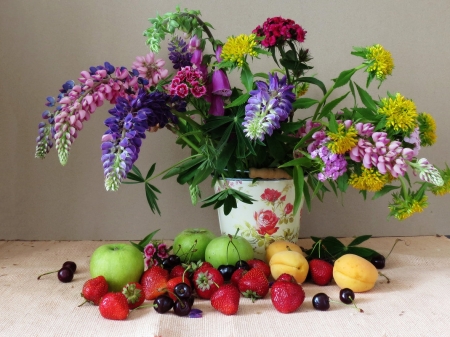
(351, 299)
(231, 241)
(191, 251)
(396, 241)
(83, 303)
(50, 272)
(387, 278)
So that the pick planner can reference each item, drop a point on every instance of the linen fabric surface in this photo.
(416, 302)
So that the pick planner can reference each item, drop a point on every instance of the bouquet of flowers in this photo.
(258, 129)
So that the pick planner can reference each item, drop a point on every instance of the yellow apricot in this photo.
(354, 272)
(279, 246)
(289, 262)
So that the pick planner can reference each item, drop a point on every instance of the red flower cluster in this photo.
(277, 30)
(270, 195)
(187, 80)
(266, 222)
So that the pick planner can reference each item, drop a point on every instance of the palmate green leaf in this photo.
(151, 199)
(307, 197)
(183, 167)
(135, 177)
(331, 105)
(201, 175)
(150, 171)
(238, 101)
(145, 241)
(303, 161)
(225, 155)
(136, 170)
(366, 253)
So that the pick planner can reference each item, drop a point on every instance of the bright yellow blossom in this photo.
(237, 48)
(342, 141)
(383, 63)
(427, 129)
(401, 113)
(370, 180)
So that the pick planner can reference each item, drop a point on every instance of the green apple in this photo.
(119, 263)
(226, 250)
(192, 239)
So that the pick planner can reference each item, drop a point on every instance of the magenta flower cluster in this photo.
(277, 30)
(188, 80)
(154, 252)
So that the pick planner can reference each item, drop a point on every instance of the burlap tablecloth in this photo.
(415, 303)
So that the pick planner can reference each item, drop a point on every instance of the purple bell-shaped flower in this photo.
(220, 83)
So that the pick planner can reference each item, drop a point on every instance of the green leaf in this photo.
(331, 105)
(151, 199)
(333, 126)
(225, 156)
(352, 89)
(239, 101)
(359, 239)
(366, 99)
(303, 161)
(314, 81)
(263, 75)
(247, 77)
(304, 103)
(342, 182)
(361, 251)
(307, 196)
(150, 171)
(299, 180)
(385, 190)
(306, 137)
(145, 241)
(135, 169)
(135, 177)
(201, 175)
(344, 77)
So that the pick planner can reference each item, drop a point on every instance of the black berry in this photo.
(162, 304)
(347, 296)
(65, 274)
(321, 302)
(226, 270)
(378, 261)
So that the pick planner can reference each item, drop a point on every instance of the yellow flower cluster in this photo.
(427, 128)
(237, 48)
(370, 180)
(342, 141)
(402, 212)
(401, 113)
(383, 63)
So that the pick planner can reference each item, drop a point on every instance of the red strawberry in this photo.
(114, 306)
(154, 282)
(286, 277)
(204, 265)
(206, 281)
(237, 276)
(173, 282)
(287, 296)
(226, 299)
(134, 294)
(176, 271)
(256, 263)
(94, 289)
(254, 284)
(321, 271)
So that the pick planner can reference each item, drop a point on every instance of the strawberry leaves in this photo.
(331, 248)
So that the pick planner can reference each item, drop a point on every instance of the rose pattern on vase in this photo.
(268, 219)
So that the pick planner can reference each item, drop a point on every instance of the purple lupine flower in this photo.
(414, 138)
(131, 117)
(267, 106)
(179, 54)
(365, 129)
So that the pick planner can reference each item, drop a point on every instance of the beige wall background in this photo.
(44, 43)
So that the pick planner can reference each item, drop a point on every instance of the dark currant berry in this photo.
(174, 260)
(226, 270)
(347, 296)
(241, 264)
(378, 261)
(191, 300)
(65, 274)
(321, 302)
(162, 304)
(165, 263)
(181, 307)
(182, 290)
(70, 264)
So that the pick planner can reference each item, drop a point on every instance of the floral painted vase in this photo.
(268, 219)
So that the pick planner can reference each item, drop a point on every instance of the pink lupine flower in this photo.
(150, 68)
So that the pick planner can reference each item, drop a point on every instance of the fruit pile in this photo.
(223, 271)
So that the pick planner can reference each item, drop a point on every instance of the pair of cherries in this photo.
(65, 274)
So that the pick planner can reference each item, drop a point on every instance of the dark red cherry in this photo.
(321, 302)
(65, 274)
(378, 261)
(347, 296)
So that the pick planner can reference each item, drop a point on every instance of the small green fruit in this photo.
(192, 239)
(216, 252)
